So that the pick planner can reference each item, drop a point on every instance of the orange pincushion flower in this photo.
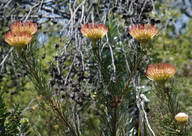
(19, 27)
(94, 31)
(160, 72)
(143, 33)
(18, 41)
(182, 117)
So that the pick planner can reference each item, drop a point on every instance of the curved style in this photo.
(28, 26)
(18, 41)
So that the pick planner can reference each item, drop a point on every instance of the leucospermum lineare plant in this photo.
(160, 73)
(21, 34)
(168, 99)
(143, 33)
(95, 32)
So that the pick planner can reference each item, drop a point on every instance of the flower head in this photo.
(182, 117)
(18, 41)
(143, 33)
(94, 31)
(28, 26)
(160, 72)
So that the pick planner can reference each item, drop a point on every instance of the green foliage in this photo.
(11, 122)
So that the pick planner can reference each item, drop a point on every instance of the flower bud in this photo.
(182, 118)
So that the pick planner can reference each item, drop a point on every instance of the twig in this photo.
(114, 119)
(146, 119)
(1, 65)
(28, 106)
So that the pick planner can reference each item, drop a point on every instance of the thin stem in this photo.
(170, 102)
(169, 99)
(114, 119)
(133, 73)
(49, 98)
